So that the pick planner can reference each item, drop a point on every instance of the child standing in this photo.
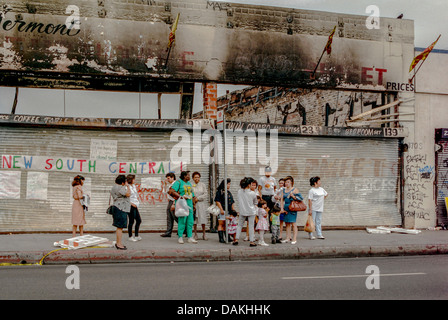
(232, 225)
(263, 224)
(316, 197)
(275, 226)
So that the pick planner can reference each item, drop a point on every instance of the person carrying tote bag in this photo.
(182, 188)
(316, 197)
(290, 194)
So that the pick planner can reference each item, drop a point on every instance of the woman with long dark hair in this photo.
(134, 214)
(220, 199)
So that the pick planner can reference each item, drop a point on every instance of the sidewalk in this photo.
(32, 248)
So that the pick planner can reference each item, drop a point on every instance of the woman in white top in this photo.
(247, 202)
(316, 197)
(201, 194)
(134, 214)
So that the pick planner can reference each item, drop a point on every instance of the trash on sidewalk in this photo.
(83, 242)
(377, 231)
(387, 230)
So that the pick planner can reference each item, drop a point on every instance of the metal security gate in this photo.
(442, 176)
(35, 199)
(361, 176)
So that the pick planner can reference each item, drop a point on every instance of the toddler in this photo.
(263, 224)
(275, 226)
(232, 225)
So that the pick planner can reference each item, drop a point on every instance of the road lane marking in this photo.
(355, 276)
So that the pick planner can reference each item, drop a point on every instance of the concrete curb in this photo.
(111, 255)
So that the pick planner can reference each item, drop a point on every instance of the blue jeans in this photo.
(317, 218)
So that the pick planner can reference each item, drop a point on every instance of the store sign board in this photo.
(224, 43)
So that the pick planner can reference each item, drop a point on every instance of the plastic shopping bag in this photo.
(182, 208)
(309, 225)
(214, 210)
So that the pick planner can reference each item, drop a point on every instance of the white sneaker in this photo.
(180, 240)
(312, 237)
(321, 237)
(191, 240)
(246, 239)
(132, 239)
(138, 238)
(264, 244)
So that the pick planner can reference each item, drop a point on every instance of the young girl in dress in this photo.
(263, 224)
(232, 225)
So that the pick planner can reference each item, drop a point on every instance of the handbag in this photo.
(111, 208)
(297, 205)
(309, 225)
(214, 210)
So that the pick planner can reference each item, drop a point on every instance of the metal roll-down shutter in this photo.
(54, 213)
(360, 175)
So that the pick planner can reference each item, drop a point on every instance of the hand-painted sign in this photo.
(41, 163)
(305, 130)
(103, 122)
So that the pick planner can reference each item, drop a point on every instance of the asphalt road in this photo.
(417, 277)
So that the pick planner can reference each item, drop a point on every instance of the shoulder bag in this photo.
(111, 208)
(297, 205)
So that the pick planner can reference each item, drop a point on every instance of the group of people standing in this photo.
(196, 195)
(265, 204)
(125, 200)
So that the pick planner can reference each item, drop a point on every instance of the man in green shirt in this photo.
(183, 189)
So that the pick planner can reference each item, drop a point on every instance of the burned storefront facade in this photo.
(346, 120)
(360, 165)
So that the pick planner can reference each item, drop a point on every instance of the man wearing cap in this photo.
(267, 185)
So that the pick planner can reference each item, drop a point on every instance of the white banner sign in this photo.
(41, 163)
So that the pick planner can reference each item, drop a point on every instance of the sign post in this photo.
(222, 119)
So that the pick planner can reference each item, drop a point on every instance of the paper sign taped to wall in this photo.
(151, 183)
(10, 184)
(103, 149)
(37, 185)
